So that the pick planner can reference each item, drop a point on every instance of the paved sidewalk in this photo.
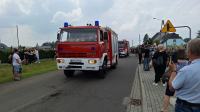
(151, 96)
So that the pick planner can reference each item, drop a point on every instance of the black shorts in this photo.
(169, 92)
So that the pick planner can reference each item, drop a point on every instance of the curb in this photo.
(144, 102)
(130, 107)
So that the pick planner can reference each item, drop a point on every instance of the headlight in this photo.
(60, 61)
(92, 61)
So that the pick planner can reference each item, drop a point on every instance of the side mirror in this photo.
(58, 36)
(105, 36)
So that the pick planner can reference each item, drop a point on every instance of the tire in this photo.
(115, 65)
(103, 70)
(69, 73)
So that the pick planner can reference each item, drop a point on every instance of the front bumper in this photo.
(79, 64)
(122, 53)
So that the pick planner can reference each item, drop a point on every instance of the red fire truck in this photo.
(86, 48)
(124, 48)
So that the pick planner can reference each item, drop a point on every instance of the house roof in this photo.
(158, 36)
(170, 36)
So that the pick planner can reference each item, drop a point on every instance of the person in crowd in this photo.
(37, 56)
(17, 67)
(140, 54)
(31, 56)
(26, 57)
(179, 58)
(186, 82)
(146, 58)
(159, 61)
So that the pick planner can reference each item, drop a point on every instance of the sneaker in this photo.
(155, 84)
(164, 85)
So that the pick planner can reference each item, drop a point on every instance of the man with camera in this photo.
(186, 81)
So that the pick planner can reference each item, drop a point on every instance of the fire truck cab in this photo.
(124, 48)
(86, 48)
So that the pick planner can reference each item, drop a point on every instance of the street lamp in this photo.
(162, 23)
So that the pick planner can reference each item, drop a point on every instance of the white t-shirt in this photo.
(15, 58)
(37, 53)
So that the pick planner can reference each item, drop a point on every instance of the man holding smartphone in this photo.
(16, 62)
(187, 81)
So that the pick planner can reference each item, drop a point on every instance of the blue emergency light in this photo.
(66, 24)
(96, 23)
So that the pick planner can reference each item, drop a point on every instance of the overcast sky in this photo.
(39, 20)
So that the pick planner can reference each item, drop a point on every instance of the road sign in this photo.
(168, 27)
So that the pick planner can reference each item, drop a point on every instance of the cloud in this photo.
(73, 16)
(76, 2)
(3, 4)
(25, 6)
(128, 18)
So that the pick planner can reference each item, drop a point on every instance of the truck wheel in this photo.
(102, 72)
(69, 73)
(115, 65)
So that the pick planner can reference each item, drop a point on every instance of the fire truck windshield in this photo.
(80, 35)
(121, 44)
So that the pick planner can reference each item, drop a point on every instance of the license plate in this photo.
(75, 60)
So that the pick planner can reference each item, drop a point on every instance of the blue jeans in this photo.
(183, 108)
(146, 64)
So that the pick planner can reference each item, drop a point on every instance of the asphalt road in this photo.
(85, 92)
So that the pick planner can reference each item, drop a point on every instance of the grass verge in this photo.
(27, 70)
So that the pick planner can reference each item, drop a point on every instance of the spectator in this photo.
(187, 81)
(159, 60)
(37, 56)
(17, 67)
(140, 54)
(26, 57)
(146, 58)
(180, 62)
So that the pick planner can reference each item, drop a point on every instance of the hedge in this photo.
(4, 56)
(42, 53)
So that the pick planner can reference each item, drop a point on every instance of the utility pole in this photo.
(132, 43)
(17, 36)
(139, 39)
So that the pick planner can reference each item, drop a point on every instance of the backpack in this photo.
(160, 60)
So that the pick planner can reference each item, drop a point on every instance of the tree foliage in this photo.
(186, 40)
(146, 38)
(198, 34)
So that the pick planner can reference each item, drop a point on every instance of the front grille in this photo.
(70, 66)
(76, 63)
(71, 55)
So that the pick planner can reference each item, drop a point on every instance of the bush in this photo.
(44, 54)
(4, 56)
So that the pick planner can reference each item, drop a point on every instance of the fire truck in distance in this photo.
(86, 48)
(124, 48)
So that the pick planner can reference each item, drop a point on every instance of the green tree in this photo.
(198, 34)
(186, 40)
(146, 38)
(150, 41)
(156, 41)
